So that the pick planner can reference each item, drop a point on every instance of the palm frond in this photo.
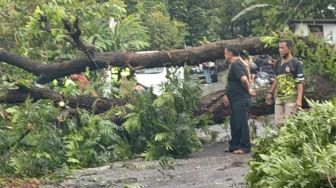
(248, 9)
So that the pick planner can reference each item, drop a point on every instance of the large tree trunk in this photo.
(190, 56)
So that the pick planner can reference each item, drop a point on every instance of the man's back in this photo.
(262, 62)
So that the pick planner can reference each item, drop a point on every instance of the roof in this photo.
(315, 21)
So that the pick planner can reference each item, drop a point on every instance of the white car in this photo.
(154, 77)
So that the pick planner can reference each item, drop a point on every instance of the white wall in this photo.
(329, 32)
(301, 29)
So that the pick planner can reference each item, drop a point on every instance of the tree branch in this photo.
(21, 62)
(19, 95)
(77, 42)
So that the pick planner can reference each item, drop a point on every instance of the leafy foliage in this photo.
(96, 28)
(36, 139)
(164, 31)
(220, 21)
(34, 146)
(91, 141)
(104, 25)
(197, 15)
(301, 154)
(320, 59)
(164, 126)
(29, 142)
(124, 38)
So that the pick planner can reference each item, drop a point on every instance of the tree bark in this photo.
(19, 95)
(180, 57)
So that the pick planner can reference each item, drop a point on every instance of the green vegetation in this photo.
(166, 125)
(301, 154)
(39, 138)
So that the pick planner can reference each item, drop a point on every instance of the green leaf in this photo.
(73, 160)
(161, 136)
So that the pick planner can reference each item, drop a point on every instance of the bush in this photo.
(34, 141)
(301, 154)
(165, 126)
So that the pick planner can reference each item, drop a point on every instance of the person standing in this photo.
(238, 96)
(206, 71)
(288, 85)
(264, 64)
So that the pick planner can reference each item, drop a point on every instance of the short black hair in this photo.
(234, 51)
(289, 43)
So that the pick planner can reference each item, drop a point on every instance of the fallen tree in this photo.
(210, 104)
(180, 57)
(46, 73)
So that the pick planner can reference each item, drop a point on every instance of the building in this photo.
(324, 28)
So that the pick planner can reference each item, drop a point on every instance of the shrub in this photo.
(301, 154)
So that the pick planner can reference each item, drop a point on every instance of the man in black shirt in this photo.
(238, 96)
(264, 64)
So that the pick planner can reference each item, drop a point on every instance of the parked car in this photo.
(154, 77)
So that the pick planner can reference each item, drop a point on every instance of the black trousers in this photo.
(240, 133)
